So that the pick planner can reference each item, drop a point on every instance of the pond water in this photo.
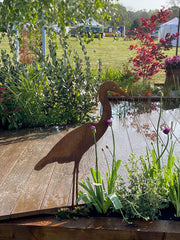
(124, 108)
(135, 128)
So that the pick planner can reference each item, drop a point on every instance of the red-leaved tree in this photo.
(150, 56)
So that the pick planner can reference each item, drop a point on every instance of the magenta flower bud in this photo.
(109, 122)
(93, 128)
(166, 130)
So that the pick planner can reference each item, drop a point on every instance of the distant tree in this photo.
(140, 14)
(136, 24)
(175, 3)
(119, 16)
(175, 11)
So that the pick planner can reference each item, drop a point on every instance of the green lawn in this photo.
(112, 53)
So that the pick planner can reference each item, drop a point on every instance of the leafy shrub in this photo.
(53, 91)
(124, 77)
(145, 195)
(9, 113)
(152, 184)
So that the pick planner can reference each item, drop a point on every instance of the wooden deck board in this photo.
(23, 190)
(33, 193)
(136, 138)
(17, 178)
(169, 119)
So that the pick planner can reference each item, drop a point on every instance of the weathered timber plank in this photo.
(33, 193)
(47, 228)
(137, 140)
(14, 184)
(7, 139)
(176, 114)
(59, 187)
(24, 189)
(147, 128)
(58, 191)
(9, 158)
(168, 120)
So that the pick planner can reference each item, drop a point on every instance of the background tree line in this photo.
(117, 15)
(131, 19)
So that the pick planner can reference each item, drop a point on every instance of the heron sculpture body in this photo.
(73, 145)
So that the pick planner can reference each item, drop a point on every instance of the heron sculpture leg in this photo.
(75, 182)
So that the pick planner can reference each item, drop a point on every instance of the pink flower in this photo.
(172, 62)
(166, 130)
(93, 129)
(109, 122)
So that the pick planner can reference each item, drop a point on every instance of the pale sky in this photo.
(135, 5)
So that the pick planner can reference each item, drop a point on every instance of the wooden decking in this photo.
(24, 191)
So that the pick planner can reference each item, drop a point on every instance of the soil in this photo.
(169, 214)
(83, 211)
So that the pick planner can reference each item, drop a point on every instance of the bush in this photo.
(9, 113)
(145, 195)
(124, 77)
(51, 92)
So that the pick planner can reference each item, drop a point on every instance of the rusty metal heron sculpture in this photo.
(73, 145)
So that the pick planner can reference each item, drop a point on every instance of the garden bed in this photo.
(47, 227)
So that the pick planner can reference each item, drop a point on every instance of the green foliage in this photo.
(123, 77)
(96, 194)
(64, 13)
(145, 195)
(77, 212)
(50, 92)
(9, 112)
(152, 184)
(27, 90)
(173, 181)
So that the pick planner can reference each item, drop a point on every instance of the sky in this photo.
(135, 5)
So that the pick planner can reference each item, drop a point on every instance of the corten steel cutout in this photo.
(72, 146)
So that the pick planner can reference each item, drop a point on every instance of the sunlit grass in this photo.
(112, 53)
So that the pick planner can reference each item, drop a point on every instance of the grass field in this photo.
(112, 53)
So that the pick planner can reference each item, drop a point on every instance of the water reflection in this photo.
(142, 118)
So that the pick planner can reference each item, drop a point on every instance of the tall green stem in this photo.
(163, 149)
(96, 157)
(157, 138)
(113, 138)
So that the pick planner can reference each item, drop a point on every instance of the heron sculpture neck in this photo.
(101, 126)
